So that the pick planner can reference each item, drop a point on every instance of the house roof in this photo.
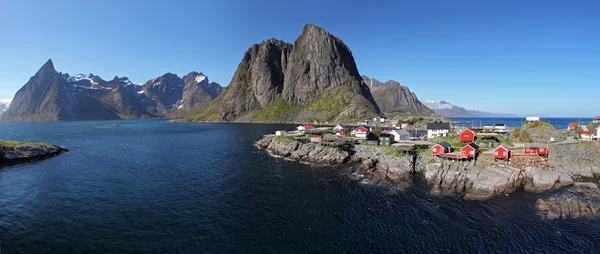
(507, 148)
(573, 124)
(316, 136)
(438, 126)
(467, 130)
(309, 127)
(402, 132)
(372, 137)
(385, 135)
(597, 117)
(586, 132)
(361, 129)
(534, 145)
(475, 146)
(445, 145)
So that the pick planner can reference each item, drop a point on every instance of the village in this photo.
(447, 140)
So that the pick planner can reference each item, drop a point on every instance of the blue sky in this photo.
(527, 57)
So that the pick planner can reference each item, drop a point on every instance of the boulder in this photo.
(566, 206)
(539, 179)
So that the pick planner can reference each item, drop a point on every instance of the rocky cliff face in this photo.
(53, 96)
(314, 78)
(395, 99)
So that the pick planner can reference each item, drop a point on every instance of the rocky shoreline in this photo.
(12, 152)
(470, 180)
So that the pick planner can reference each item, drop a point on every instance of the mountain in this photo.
(446, 109)
(394, 99)
(53, 96)
(315, 78)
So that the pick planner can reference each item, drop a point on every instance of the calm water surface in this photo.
(154, 187)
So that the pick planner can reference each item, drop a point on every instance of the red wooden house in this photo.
(502, 152)
(467, 136)
(441, 148)
(535, 149)
(470, 150)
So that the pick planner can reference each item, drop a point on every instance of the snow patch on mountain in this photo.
(200, 78)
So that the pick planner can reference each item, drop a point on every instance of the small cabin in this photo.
(386, 139)
(536, 149)
(361, 132)
(587, 135)
(573, 125)
(441, 148)
(596, 119)
(316, 138)
(400, 135)
(338, 127)
(279, 133)
(502, 152)
(470, 150)
(467, 136)
(339, 133)
(372, 139)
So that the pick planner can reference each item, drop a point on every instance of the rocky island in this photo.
(570, 165)
(15, 152)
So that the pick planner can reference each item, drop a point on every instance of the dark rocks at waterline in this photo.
(567, 206)
(27, 152)
(447, 178)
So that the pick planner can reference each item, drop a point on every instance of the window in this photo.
(496, 153)
(504, 153)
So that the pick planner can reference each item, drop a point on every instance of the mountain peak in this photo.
(48, 67)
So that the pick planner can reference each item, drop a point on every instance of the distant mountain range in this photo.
(53, 96)
(446, 109)
(313, 79)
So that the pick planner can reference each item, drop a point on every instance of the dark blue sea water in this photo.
(560, 122)
(154, 187)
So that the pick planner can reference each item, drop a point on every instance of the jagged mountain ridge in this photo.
(315, 78)
(53, 96)
(394, 99)
(446, 109)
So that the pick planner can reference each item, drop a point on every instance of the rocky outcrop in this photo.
(447, 178)
(305, 152)
(566, 207)
(53, 96)
(20, 153)
(395, 99)
(314, 78)
(463, 178)
(541, 179)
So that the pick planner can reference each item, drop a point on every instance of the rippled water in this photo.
(154, 187)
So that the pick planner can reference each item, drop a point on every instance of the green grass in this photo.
(285, 139)
(279, 110)
(393, 152)
(13, 144)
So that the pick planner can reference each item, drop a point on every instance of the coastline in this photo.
(14, 152)
(464, 179)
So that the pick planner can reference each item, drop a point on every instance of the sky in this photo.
(523, 57)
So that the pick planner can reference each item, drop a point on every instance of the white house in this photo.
(596, 119)
(279, 133)
(400, 135)
(338, 127)
(531, 119)
(587, 135)
(360, 132)
(598, 133)
(437, 129)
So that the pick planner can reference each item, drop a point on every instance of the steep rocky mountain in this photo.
(446, 109)
(395, 99)
(313, 79)
(53, 96)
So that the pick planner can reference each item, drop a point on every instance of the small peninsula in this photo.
(569, 168)
(17, 152)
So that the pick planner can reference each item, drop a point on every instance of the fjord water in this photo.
(153, 187)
